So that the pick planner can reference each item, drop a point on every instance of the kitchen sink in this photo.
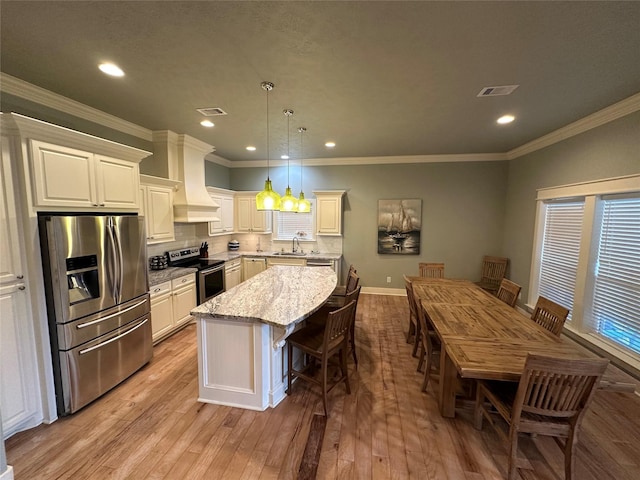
(295, 254)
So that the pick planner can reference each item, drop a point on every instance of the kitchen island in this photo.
(242, 332)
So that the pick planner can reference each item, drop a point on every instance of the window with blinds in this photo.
(560, 252)
(616, 298)
(292, 224)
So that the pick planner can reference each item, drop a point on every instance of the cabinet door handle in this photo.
(157, 290)
(21, 287)
(95, 205)
(19, 277)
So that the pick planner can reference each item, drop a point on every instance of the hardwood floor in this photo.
(152, 426)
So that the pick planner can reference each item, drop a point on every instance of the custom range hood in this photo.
(183, 157)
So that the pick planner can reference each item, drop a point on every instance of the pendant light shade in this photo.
(267, 199)
(288, 203)
(304, 206)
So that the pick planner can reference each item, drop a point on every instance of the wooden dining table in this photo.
(482, 337)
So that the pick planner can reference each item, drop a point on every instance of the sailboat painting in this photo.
(399, 225)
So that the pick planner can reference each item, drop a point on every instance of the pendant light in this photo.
(267, 199)
(288, 203)
(304, 206)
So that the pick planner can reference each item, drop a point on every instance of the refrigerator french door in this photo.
(98, 306)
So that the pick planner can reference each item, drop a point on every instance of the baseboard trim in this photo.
(398, 292)
(7, 474)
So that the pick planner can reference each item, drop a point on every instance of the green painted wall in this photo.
(608, 151)
(216, 175)
(462, 211)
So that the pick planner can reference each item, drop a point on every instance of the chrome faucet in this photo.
(293, 244)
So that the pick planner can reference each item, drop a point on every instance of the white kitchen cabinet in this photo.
(171, 302)
(232, 273)
(184, 298)
(252, 266)
(19, 386)
(161, 310)
(271, 261)
(225, 213)
(248, 218)
(329, 212)
(157, 208)
(72, 178)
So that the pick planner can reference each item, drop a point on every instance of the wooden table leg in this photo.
(447, 391)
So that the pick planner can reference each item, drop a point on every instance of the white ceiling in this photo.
(378, 78)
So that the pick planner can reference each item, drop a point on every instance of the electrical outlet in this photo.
(519, 295)
(388, 279)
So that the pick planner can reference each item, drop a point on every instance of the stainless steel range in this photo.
(210, 279)
(96, 286)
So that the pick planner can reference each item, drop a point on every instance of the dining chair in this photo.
(493, 271)
(431, 270)
(336, 301)
(508, 292)
(322, 344)
(414, 325)
(430, 347)
(550, 399)
(341, 290)
(550, 315)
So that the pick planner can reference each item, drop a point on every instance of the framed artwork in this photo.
(399, 226)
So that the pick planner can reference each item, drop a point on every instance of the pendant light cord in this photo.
(268, 134)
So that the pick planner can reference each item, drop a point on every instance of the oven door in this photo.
(210, 283)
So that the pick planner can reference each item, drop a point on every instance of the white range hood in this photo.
(185, 159)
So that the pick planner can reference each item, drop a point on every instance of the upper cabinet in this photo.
(248, 217)
(156, 205)
(66, 177)
(329, 211)
(74, 171)
(225, 214)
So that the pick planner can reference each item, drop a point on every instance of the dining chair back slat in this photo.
(431, 270)
(550, 315)
(508, 292)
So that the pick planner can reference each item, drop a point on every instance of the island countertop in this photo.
(280, 296)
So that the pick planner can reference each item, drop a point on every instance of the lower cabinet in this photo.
(252, 266)
(232, 273)
(171, 302)
(301, 262)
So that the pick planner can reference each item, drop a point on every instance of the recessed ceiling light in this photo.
(330, 144)
(506, 119)
(251, 148)
(111, 69)
(207, 123)
(284, 157)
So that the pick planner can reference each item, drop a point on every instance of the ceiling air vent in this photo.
(497, 91)
(211, 111)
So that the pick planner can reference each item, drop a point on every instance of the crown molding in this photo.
(613, 112)
(14, 86)
(309, 162)
(20, 88)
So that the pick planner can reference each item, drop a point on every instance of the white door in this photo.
(19, 387)
(160, 213)
(118, 183)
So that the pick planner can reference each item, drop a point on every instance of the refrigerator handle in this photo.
(112, 268)
(119, 261)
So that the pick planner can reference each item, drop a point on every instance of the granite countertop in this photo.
(157, 277)
(280, 296)
(226, 256)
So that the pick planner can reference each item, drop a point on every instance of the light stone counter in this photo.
(241, 334)
(279, 296)
(157, 277)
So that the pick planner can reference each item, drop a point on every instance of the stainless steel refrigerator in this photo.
(96, 285)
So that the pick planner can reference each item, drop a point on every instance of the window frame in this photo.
(592, 193)
(311, 237)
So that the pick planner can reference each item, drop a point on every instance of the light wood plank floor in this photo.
(152, 427)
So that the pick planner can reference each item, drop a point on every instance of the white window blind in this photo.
(560, 251)
(616, 299)
(291, 224)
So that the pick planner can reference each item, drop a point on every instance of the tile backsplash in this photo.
(193, 234)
